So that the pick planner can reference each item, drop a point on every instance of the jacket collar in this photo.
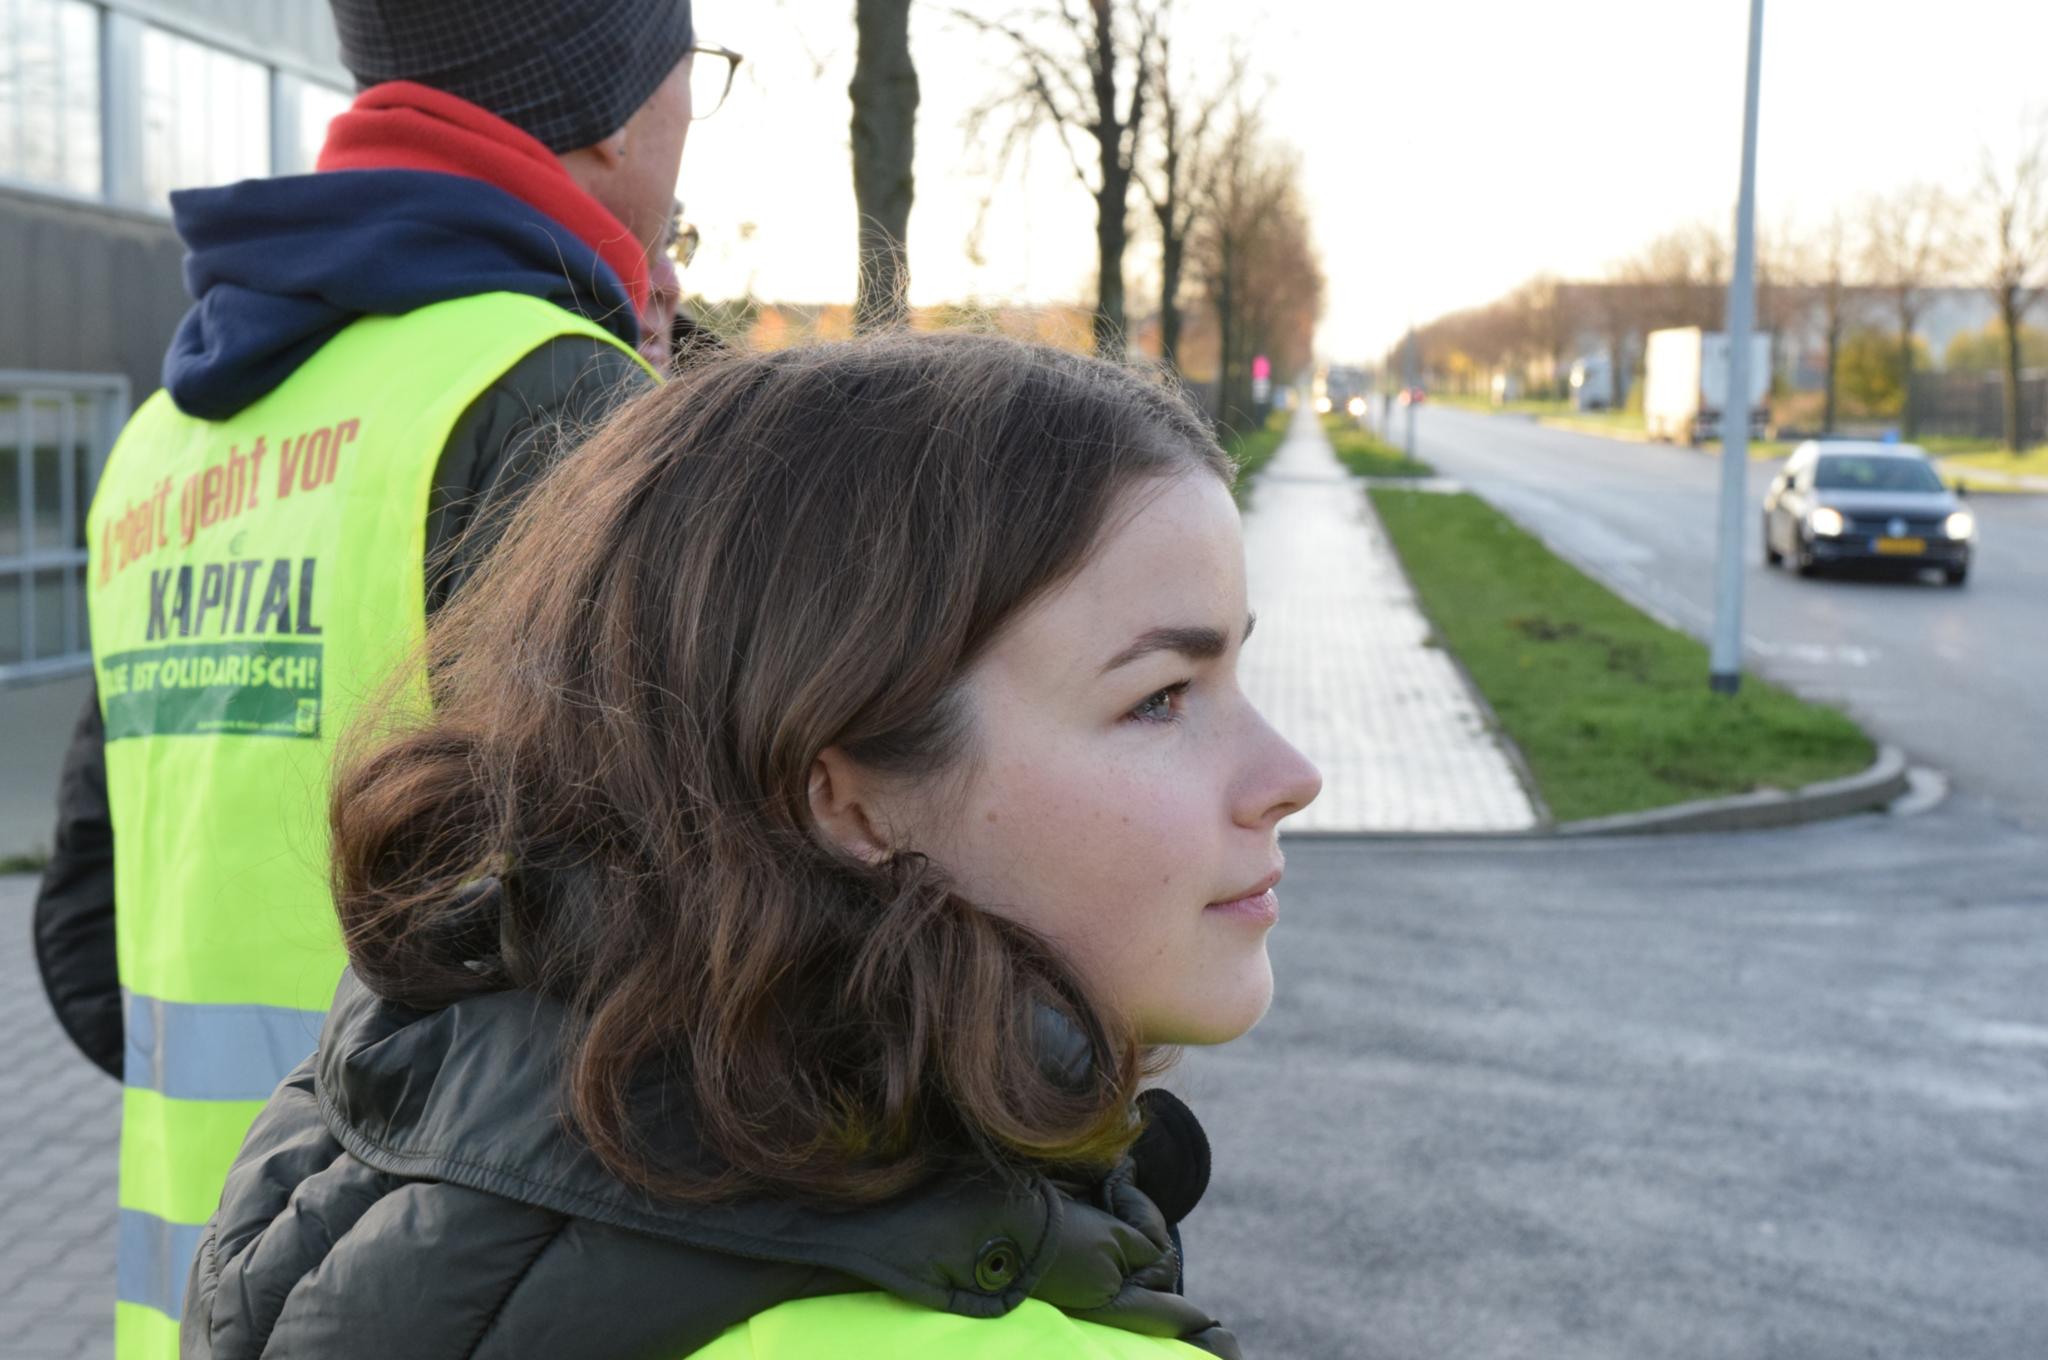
(465, 1095)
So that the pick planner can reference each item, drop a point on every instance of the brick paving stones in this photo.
(59, 1130)
(1343, 666)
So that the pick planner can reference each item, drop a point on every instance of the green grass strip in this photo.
(1251, 450)
(1366, 455)
(1610, 708)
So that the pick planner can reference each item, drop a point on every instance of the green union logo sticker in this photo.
(257, 688)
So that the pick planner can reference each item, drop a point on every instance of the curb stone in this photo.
(1886, 780)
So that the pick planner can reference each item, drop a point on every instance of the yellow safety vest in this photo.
(252, 581)
(877, 1326)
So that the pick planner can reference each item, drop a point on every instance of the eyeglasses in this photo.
(710, 81)
(683, 236)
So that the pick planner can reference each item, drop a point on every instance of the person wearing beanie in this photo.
(380, 357)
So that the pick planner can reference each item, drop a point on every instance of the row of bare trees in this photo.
(1221, 200)
(1892, 254)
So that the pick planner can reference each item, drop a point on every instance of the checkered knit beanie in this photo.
(570, 72)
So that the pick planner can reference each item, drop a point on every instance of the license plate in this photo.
(1901, 547)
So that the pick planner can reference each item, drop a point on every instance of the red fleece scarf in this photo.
(399, 125)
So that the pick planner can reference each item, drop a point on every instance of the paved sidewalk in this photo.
(59, 1130)
(1342, 666)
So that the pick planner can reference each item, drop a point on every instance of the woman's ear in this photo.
(843, 805)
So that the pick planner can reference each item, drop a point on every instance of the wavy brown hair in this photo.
(773, 554)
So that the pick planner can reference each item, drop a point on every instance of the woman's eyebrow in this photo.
(1194, 642)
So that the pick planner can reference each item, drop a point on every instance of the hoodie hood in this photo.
(421, 198)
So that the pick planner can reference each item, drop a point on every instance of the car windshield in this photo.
(1847, 472)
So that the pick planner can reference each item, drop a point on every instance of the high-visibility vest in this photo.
(878, 1326)
(252, 581)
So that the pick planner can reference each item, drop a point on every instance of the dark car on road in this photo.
(1868, 504)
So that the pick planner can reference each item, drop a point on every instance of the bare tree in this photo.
(1832, 258)
(1256, 260)
(1682, 278)
(885, 95)
(1284, 280)
(1909, 244)
(2013, 203)
(1622, 310)
(1090, 77)
(1180, 180)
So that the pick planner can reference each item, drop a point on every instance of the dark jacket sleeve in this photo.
(74, 912)
(517, 429)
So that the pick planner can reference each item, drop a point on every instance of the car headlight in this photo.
(1356, 406)
(1827, 523)
(1961, 524)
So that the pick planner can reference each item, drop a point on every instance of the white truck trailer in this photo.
(1685, 383)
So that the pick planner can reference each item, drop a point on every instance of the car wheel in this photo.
(1956, 575)
(1772, 557)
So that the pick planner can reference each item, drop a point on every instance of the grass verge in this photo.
(1999, 465)
(1610, 708)
(1251, 450)
(30, 863)
(1365, 454)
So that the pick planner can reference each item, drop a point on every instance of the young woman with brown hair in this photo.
(837, 793)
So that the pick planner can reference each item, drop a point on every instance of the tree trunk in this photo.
(1171, 253)
(1226, 332)
(1906, 421)
(885, 96)
(2008, 307)
(1834, 346)
(1111, 233)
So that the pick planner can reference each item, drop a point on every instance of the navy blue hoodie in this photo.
(278, 266)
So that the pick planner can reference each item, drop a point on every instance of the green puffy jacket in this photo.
(411, 1191)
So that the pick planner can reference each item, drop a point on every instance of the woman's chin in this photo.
(1218, 1013)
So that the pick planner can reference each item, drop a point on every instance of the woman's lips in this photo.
(1260, 907)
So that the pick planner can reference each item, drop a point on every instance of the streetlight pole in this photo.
(1725, 661)
(1414, 382)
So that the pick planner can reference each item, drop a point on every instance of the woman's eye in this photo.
(1160, 706)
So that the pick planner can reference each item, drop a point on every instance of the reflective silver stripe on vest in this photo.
(195, 1052)
(152, 1258)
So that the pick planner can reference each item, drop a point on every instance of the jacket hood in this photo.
(276, 267)
(465, 1099)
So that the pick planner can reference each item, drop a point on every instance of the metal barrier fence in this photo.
(55, 431)
(1972, 405)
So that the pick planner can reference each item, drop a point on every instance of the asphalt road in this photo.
(1958, 677)
(1773, 1095)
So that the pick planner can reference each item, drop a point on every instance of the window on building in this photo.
(205, 115)
(50, 93)
(318, 106)
(54, 435)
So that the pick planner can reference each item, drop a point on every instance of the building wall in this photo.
(294, 31)
(87, 289)
(93, 284)
(91, 278)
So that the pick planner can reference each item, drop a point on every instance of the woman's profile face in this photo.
(1123, 796)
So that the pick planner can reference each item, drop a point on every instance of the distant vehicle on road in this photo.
(1412, 396)
(1592, 381)
(1685, 384)
(1843, 503)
